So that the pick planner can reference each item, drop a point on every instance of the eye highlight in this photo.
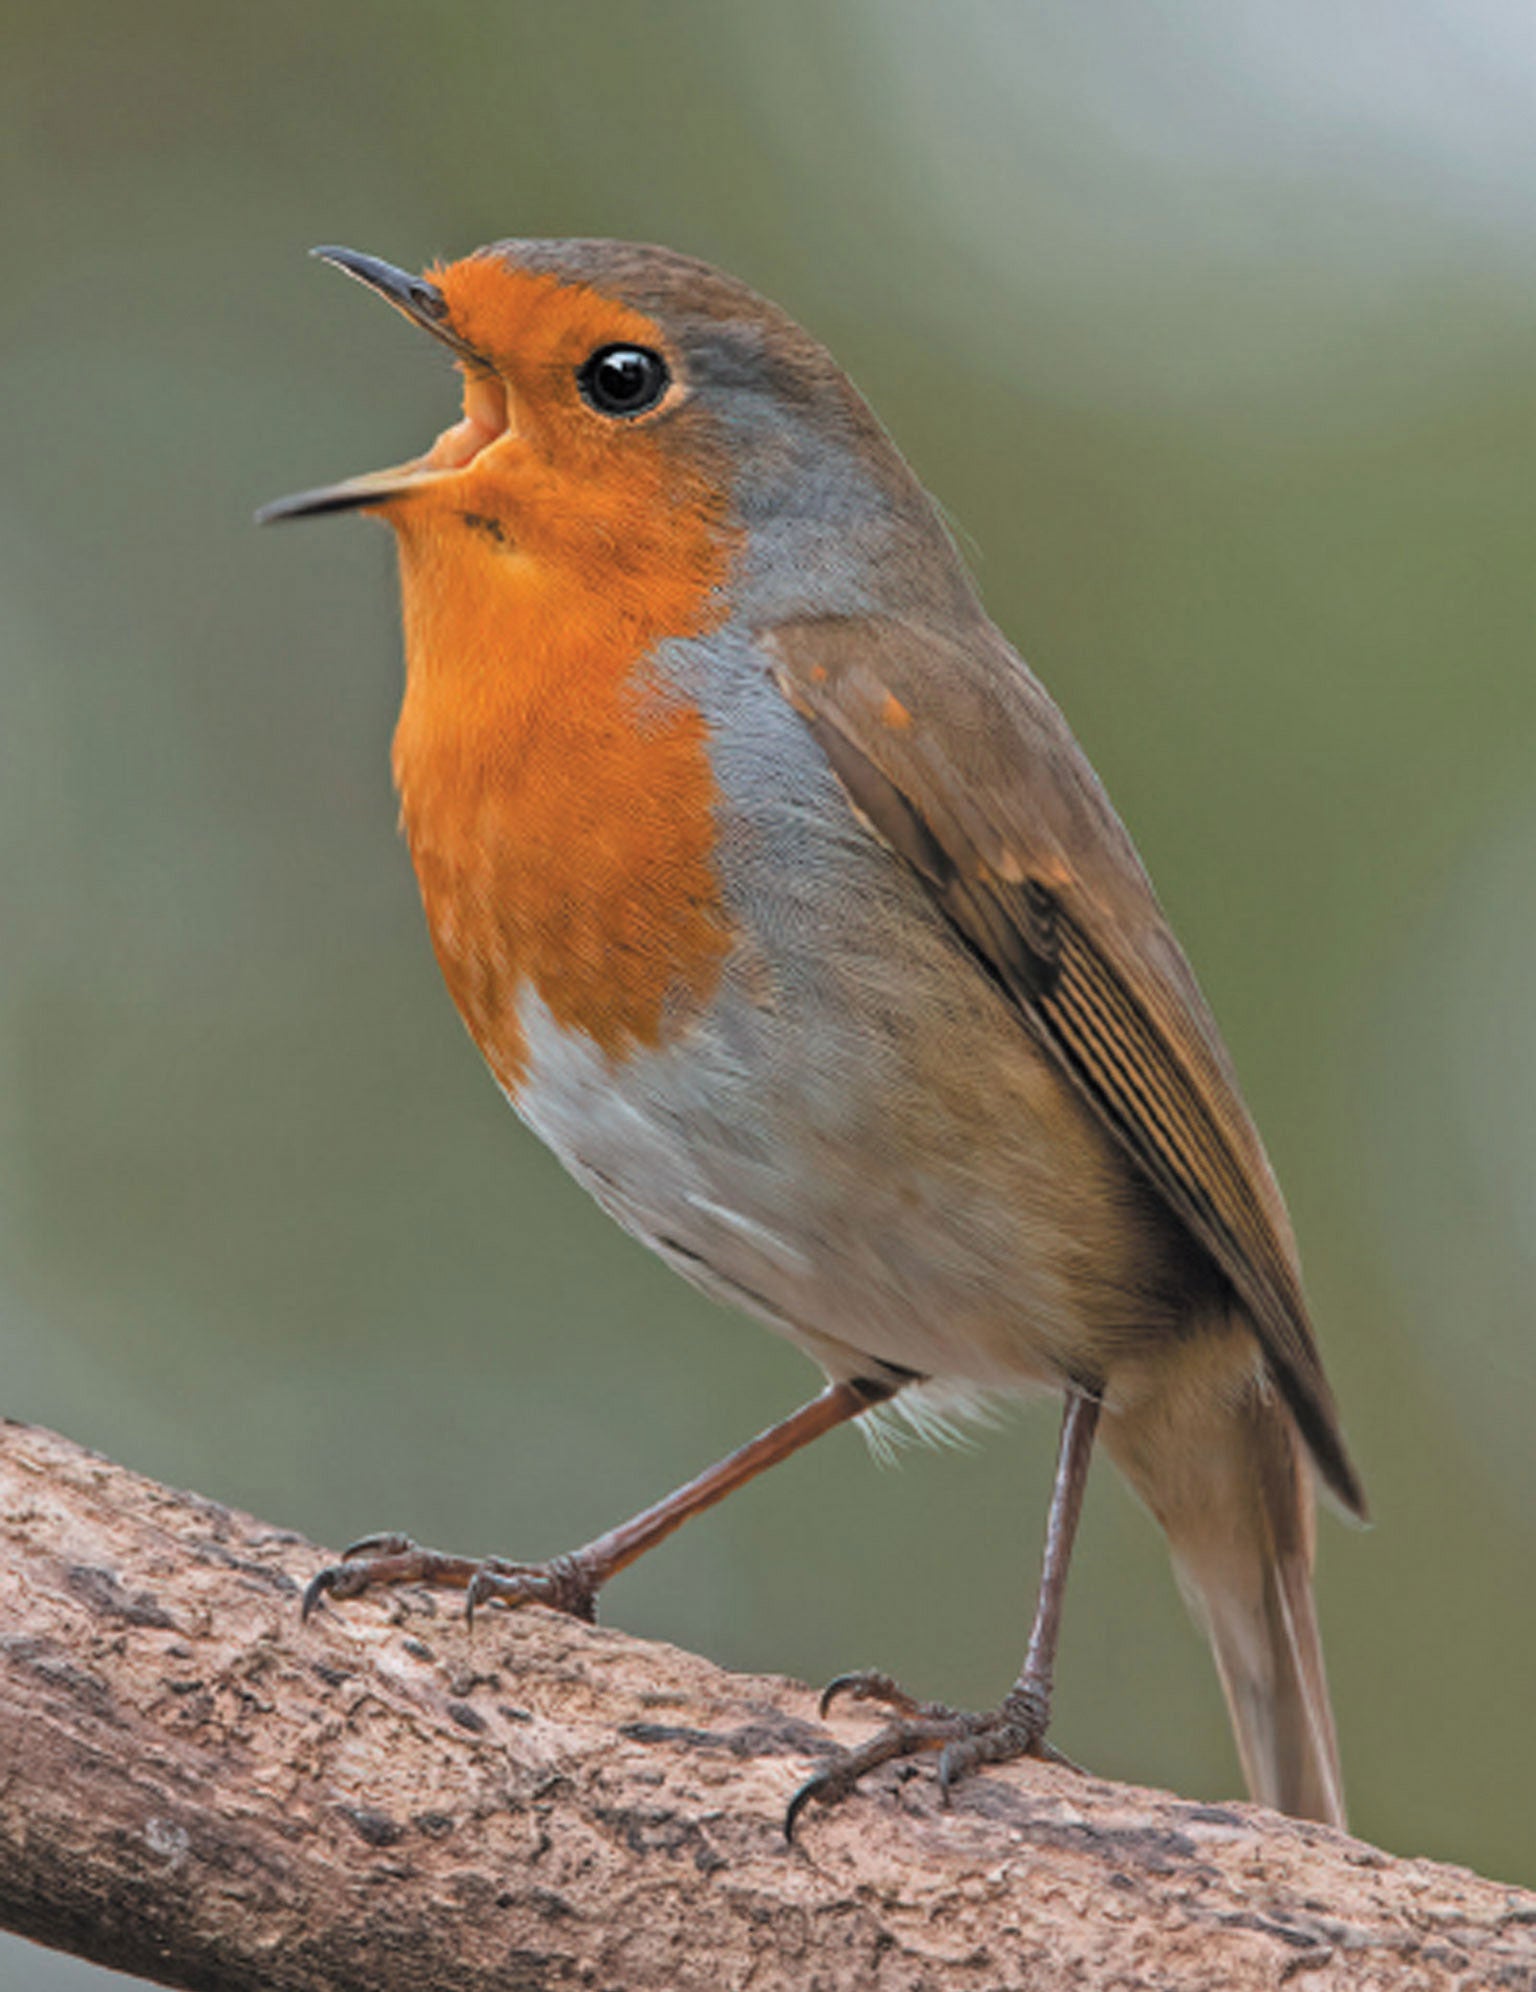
(623, 380)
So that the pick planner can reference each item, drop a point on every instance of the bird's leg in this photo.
(1016, 1728)
(571, 1583)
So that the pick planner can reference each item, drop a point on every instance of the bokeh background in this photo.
(1212, 328)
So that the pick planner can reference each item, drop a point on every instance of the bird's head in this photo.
(614, 392)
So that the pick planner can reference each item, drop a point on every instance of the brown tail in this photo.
(1207, 1443)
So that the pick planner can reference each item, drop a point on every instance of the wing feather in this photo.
(956, 757)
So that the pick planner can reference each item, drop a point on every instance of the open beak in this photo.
(486, 412)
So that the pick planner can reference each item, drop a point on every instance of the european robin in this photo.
(786, 909)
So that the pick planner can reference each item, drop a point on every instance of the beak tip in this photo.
(371, 492)
(419, 299)
(308, 505)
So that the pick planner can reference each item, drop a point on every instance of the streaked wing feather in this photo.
(956, 757)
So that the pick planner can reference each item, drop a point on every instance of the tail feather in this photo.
(1262, 1622)
(1216, 1456)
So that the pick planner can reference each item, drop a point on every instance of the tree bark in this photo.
(197, 1788)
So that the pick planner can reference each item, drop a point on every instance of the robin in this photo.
(786, 909)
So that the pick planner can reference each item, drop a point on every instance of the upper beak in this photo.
(424, 304)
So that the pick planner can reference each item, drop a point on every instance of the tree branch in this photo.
(196, 1788)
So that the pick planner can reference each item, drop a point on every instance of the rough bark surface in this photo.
(196, 1788)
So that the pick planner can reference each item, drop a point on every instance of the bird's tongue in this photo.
(487, 417)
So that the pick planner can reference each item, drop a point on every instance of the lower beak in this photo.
(374, 487)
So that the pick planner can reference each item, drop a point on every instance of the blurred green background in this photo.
(1212, 328)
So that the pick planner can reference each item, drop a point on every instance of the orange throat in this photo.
(558, 802)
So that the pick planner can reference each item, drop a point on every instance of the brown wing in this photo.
(956, 757)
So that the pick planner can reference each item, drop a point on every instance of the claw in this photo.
(812, 1788)
(864, 1684)
(964, 1741)
(342, 1580)
(315, 1590)
(379, 1561)
(834, 1781)
(390, 1543)
(357, 1569)
(473, 1599)
(954, 1761)
(496, 1583)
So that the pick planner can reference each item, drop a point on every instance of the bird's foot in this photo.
(965, 1740)
(376, 1562)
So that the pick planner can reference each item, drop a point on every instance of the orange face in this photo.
(537, 333)
(533, 451)
(557, 798)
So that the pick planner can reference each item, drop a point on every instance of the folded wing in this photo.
(957, 758)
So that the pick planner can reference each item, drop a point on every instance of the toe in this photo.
(865, 1684)
(316, 1590)
(843, 1772)
(391, 1543)
(561, 1584)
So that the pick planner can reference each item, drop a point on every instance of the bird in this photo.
(785, 908)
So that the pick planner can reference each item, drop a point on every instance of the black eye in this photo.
(623, 380)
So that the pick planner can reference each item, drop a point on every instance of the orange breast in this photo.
(558, 801)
